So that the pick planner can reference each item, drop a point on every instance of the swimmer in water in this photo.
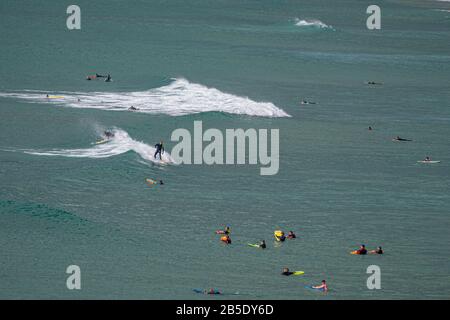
(291, 235)
(262, 244)
(212, 291)
(323, 286)
(226, 239)
(378, 250)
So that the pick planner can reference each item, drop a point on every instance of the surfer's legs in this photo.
(156, 153)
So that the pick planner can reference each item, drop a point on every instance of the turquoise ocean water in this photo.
(231, 64)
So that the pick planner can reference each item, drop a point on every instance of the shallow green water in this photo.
(338, 184)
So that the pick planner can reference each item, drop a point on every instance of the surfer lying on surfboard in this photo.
(362, 250)
(323, 286)
(378, 250)
(152, 182)
(397, 138)
(286, 272)
(209, 291)
(227, 230)
(262, 245)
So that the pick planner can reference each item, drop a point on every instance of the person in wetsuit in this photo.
(286, 272)
(108, 78)
(262, 244)
(401, 139)
(109, 134)
(362, 250)
(291, 235)
(378, 250)
(159, 150)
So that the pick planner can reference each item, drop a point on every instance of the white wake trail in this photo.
(178, 98)
(119, 144)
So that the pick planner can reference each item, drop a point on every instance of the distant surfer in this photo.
(226, 239)
(108, 78)
(262, 244)
(109, 134)
(47, 96)
(100, 76)
(227, 230)
(307, 102)
(279, 236)
(286, 272)
(427, 159)
(291, 235)
(397, 138)
(323, 286)
(362, 250)
(152, 182)
(378, 250)
(159, 150)
(373, 83)
(211, 291)
(133, 108)
(370, 128)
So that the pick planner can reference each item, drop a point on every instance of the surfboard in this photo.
(203, 292)
(298, 273)
(55, 97)
(101, 141)
(430, 161)
(151, 182)
(253, 245)
(316, 289)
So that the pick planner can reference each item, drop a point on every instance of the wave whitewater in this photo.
(312, 23)
(178, 98)
(119, 144)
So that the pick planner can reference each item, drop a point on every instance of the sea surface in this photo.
(65, 200)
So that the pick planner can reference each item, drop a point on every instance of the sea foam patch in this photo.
(312, 23)
(178, 98)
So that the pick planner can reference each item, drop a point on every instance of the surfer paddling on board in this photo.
(362, 250)
(211, 291)
(323, 286)
(378, 250)
(286, 272)
(159, 150)
(397, 138)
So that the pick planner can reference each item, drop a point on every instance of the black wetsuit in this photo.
(262, 245)
(287, 273)
(159, 149)
(362, 251)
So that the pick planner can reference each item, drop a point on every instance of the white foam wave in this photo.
(178, 98)
(312, 23)
(119, 144)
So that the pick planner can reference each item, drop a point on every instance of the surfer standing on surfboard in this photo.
(159, 150)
